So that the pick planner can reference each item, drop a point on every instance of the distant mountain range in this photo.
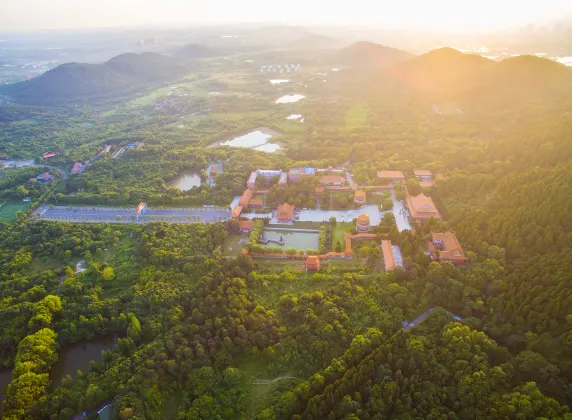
(122, 75)
(441, 73)
(369, 54)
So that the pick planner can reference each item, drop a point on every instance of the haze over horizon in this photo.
(439, 15)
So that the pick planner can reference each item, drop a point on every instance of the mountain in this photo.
(525, 78)
(78, 82)
(369, 54)
(449, 73)
(445, 71)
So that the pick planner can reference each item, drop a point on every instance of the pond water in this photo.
(293, 239)
(278, 81)
(106, 413)
(294, 117)
(77, 356)
(288, 99)
(268, 147)
(186, 181)
(5, 379)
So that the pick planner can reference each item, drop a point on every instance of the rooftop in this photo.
(305, 171)
(422, 172)
(256, 202)
(331, 179)
(423, 204)
(390, 174)
(245, 224)
(388, 257)
(451, 247)
(363, 218)
(285, 212)
(236, 211)
(360, 194)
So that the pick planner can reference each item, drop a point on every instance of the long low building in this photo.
(388, 257)
(245, 198)
(391, 175)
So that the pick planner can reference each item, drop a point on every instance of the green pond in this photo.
(293, 239)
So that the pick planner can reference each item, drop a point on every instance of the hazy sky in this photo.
(449, 15)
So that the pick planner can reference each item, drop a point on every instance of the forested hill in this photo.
(369, 54)
(125, 74)
(448, 73)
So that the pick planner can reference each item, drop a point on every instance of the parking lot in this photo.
(127, 215)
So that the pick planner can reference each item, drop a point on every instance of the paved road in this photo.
(423, 316)
(31, 163)
(127, 215)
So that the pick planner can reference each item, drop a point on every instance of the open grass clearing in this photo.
(9, 209)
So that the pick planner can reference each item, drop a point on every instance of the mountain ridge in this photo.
(365, 53)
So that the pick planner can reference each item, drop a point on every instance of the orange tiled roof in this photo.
(422, 207)
(363, 218)
(388, 257)
(256, 202)
(246, 196)
(285, 212)
(246, 224)
(331, 179)
(236, 211)
(319, 190)
(360, 194)
(390, 174)
(313, 262)
(453, 249)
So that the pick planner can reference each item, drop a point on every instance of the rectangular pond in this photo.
(292, 239)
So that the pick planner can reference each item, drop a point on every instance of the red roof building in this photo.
(285, 213)
(312, 263)
(256, 203)
(236, 212)
(245, 226)
(446, 247)
(319, 190)
(245, 198)
(391, 175)
(388, 257)
(336, 180)
(48, 155)
(422, 207)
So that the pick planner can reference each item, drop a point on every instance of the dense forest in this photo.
(200, 334)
